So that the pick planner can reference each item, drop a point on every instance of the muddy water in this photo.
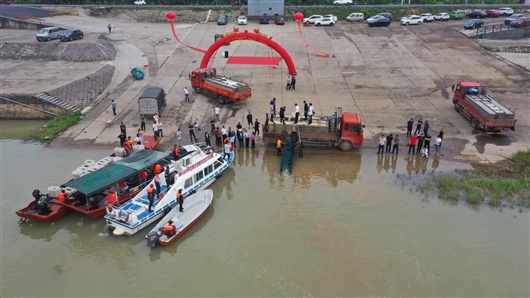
(341, 225)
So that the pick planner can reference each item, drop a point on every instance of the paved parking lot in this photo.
(387, 74)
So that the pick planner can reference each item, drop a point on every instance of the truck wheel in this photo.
(346, 146)
(474, 123)
(197, 90)
(222, 99)
(457, 107)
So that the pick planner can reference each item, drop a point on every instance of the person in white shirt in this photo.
(437, 144)
(186, 94)
(155, 130)
(217, 111)
(179, 137)
(382, 143)
(160, 126)
(296, 113)
(310, 113)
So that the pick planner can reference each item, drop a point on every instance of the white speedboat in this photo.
(192, 172)
(194, 208)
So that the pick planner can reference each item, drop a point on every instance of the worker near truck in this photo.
(279, 144)
(249, 120)
(410, 123)
(395, 145)
(306, 108)
(382, 143)
(296, 113)
(418, 126)
(389, 143)
(310, 113)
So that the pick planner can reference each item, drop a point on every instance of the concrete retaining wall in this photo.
(10, 110)
(16, 24)
(512, 33)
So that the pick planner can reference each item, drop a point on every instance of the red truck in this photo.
(206, 81)
(342, 129)
(472, 100)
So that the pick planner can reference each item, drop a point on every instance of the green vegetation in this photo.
(57, 125)
(101, 36)
(495, 186)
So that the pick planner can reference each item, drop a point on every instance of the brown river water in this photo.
(343, 224)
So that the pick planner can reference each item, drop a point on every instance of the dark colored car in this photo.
(520, 22)
(264, 19)
(493, 13)
(221, 20)
(377, 21)
(473, 24)
(386, 15)
(279, 21)
(71, 35)
(477, 14)
(513, 17)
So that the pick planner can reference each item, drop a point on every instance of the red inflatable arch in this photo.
(256, 36)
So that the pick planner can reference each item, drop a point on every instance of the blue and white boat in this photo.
(192, 172)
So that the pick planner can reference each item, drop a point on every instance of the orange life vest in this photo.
(158, 168)
(151, 189)
(170, 227)
(60, 196)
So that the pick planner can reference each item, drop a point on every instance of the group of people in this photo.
(419, 142)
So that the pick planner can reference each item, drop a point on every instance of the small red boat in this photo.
(194, 208)
(121, 178)
(53, 212)
(150, 143)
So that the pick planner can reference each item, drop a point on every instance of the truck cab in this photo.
(351, 131)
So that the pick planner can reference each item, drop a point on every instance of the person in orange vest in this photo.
(151, 196)
(170, 230)
(61, 196)
(175, 152)
(180, 199)
(158, 169)
(156, 179)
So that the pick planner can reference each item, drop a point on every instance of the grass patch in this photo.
(491, 186)
(101, 36)
(57, 125)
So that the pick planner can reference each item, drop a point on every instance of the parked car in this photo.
(520, 22)
(333, 18)
(411, 20)
(342, 2)
(279, 21)
(71, 35)
(48, 33)
(493, 13)
(512, 18)
(325, 22)
(221, 20)
(473, 24)
(442, 16)
(139, 2)
(355, 17)
(386, 15)
(242, 20)
(505, 11)
(312, 19)
(264, 19)
(477, 14)
(378, 20)
(456, 15)
(427, 17)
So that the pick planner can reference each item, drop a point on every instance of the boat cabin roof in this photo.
(120, 170)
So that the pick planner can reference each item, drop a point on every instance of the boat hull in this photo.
(99, 212)
(57, 212)
(172, 239)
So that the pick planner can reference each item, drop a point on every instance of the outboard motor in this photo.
(43, 204)
(154, 236)
(36, 194)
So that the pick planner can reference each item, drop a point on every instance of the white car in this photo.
(505, 11)
(242, 20)
(411, 20)
(342, 2)
(333, 18)
(312, 19)
(325, 22)
(139, 2)
(427, 17)
(442, 16)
